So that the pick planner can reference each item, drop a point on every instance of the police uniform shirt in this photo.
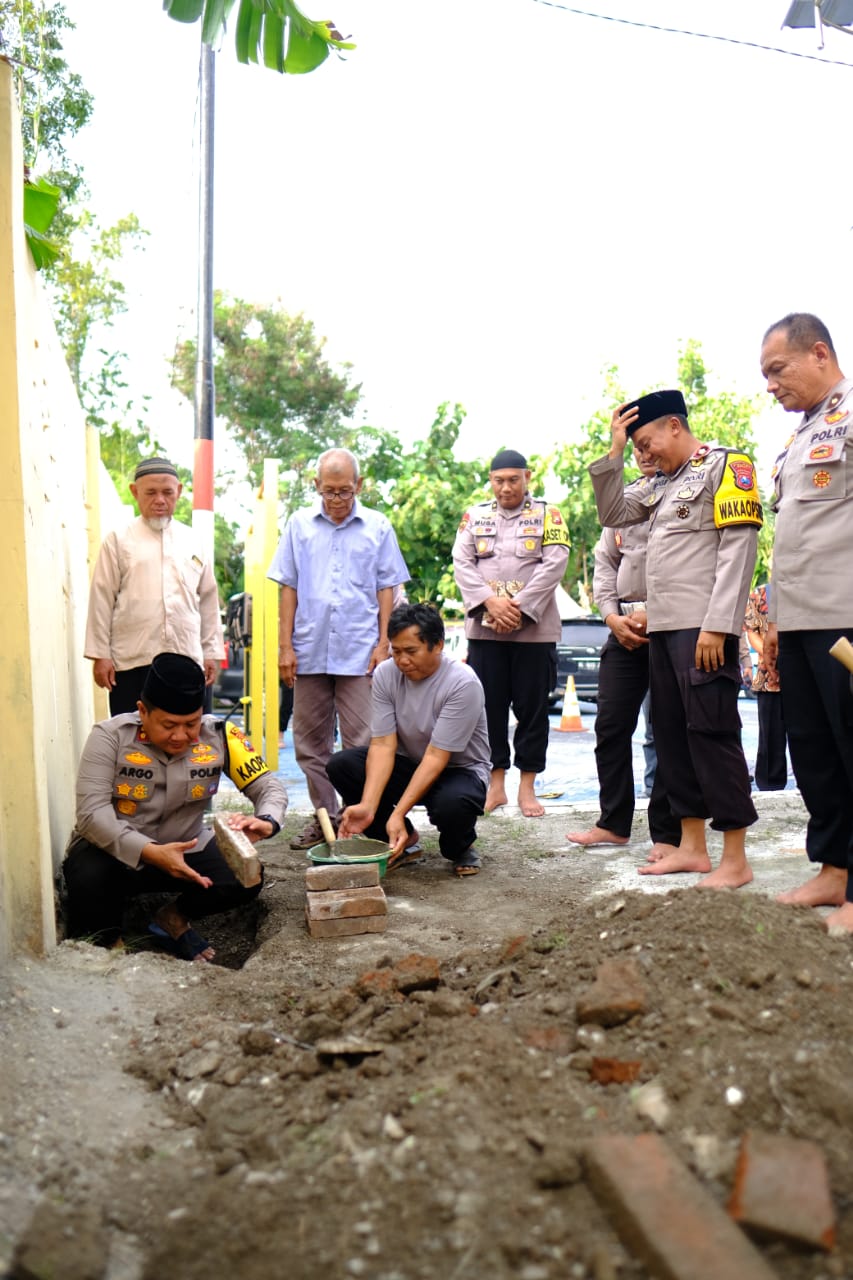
(620, 563)
(530, 545)
(130, 794)
(813, 480)
(703, 536)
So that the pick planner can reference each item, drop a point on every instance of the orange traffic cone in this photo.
(570, 721)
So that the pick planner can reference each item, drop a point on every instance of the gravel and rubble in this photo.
(417, 1105)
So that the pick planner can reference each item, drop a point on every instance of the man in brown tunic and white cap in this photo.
(152, 590)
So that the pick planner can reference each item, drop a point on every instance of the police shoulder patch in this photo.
(737, 500)
(243, 763)
(555, 532)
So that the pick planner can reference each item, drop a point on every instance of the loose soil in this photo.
(162, 1118)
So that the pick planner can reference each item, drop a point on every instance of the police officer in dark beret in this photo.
(703, 536)
(143, 786)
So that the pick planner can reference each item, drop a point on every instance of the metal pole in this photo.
(204, 397)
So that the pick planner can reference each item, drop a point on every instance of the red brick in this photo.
(515, 947)
(664, 1216)
(346, 926)
(613, 1071)
(417, 973)
(336, 904)
(616, 995)
(360, 875)
(376, 982)
(553, 1039)
(782, 1189)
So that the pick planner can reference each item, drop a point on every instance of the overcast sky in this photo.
(489, 200)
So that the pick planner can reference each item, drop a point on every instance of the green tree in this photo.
(570, 464)
(426, 502)
(53, 102)
(280, 397)
(88, 294)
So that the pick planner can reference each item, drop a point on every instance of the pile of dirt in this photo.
(415, 1105)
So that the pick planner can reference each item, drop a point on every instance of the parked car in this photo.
(579, 655)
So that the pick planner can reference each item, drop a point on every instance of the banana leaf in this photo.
(262, 31)
(41, 200)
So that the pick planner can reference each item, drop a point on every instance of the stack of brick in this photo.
(344, 900)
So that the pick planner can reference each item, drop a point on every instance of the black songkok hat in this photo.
(508, 458)
(154, 467)
(174, 684)
(657, 404)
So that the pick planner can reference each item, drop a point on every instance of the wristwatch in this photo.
(265, 817)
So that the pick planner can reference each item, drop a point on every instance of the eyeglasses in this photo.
(343, 494)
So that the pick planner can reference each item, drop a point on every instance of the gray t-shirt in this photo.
(446, 710)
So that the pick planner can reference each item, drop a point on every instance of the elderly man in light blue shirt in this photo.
(337, 564)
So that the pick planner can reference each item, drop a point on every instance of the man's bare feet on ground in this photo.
(727, 876)
(595, 835)
(826, 889)
(842, 919)
(528, 804)
(496, 797)
(176, 926)
(679, 860)
(660, 850)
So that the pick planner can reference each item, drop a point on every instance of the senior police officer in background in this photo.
(703, 536)
(143, 785)
(811, 603)
(619, 590)
(509, 557)
(152, 589)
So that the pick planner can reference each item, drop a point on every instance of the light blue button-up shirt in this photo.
(336, 571)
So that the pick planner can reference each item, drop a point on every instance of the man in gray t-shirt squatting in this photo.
(429, 745)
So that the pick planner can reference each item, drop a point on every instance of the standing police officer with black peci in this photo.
(703, 537)
(509, 557)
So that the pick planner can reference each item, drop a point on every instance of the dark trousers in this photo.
(701, 764)
(623, 682)
(818, 710)
(454, 801)
(124, 695)
(771, 762)
(521, 676)
(99, 885)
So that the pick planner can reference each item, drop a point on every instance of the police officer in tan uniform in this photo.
(811, 603)
(509, 557)
(143, 786)
(619, 590)
(703, 535)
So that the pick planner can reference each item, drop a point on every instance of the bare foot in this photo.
(660, 850)
(841, 921)
(528, 804)
(826, 889)
(727, 876)
(595, 835)
(495, 797)
(679, 860)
